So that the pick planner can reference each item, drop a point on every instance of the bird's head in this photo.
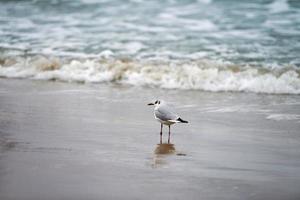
(157, 102)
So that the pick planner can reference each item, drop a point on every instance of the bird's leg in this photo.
(161, 126)
(169, 135)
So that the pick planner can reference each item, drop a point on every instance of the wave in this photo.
(280, 117)
(201, 74)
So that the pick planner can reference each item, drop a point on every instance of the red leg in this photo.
(161, 126)
(169, 134)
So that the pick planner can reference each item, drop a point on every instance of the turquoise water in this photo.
(260, 34)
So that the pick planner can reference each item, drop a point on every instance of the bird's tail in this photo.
(182, 121)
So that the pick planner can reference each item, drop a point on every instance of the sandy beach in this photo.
(93, 141)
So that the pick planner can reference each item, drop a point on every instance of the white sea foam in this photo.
(199, 25)
(238, 108)
(205, 1)
(196, 75)
(188, 23)
(279, 6)
(280, 117)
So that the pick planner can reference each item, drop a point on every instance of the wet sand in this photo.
(75, 141)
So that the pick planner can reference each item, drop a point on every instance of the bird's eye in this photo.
(155, 102)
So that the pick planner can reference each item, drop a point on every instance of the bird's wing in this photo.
(165, 113)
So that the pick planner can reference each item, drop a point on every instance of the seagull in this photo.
(163, 113)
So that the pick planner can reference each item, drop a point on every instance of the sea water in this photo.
(212, 45)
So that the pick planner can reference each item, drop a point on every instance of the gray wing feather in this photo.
(164, 113)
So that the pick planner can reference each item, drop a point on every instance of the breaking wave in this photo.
(191, 75)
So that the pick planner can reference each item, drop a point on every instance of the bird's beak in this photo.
(150, 104)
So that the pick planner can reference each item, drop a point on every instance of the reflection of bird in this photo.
(163, 149)
(161, 152)
(163, 113)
